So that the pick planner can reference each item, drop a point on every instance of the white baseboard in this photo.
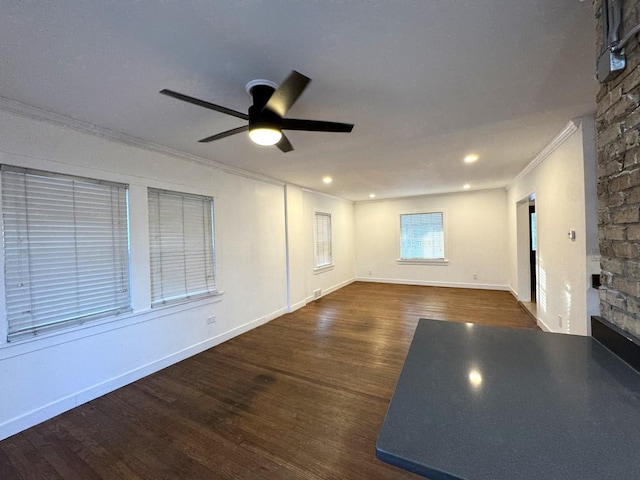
(327, 291)
(426, 283)
(338, 286)
(544, 326)
(50, 410)
(513, 292)
(298, 305)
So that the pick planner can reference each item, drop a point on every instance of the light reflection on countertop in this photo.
(475, 379)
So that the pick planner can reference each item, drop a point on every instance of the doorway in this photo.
(527, 247)
(533, 245)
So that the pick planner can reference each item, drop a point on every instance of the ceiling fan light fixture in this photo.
(266, 116)
(265, 135)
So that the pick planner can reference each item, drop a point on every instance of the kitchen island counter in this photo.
(477, 402)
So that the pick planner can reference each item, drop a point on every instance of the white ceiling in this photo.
(424, 81)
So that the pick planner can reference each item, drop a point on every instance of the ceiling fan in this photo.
(266, 116)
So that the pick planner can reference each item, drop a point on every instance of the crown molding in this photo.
(335, 197)
(430, 195)
(569, 129)
(38, 114)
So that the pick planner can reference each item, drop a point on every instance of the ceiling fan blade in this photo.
(284, 144)
(287, 93)
(202, 103)
(228, 133)
(315, 125)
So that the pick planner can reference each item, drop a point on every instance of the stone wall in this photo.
(618, 128)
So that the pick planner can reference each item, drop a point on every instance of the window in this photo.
(181, 247)
(66, 250)
(422, 236)
(322, 229)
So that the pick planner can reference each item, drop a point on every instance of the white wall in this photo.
(523, 252)
(44, 376)
(342, 244)
(475, 240)
(297, 248)
(563, 203)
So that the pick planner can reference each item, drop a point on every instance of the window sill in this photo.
(212, 297)
(420, 261)
(324, 268)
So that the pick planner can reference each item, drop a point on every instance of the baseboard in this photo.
(513, 292)
(297, 305)
(544, 326)
(34, 417)
(427, 283)
(338, 286)
(327, 291)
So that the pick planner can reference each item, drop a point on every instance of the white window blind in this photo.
(66, 250)
(422, 236)
(323, 239)
(181, 246)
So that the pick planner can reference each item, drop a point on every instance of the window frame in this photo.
(318, 267)
(193, 296)
(72, 202)
(444, 261)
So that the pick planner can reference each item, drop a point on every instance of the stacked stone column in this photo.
(618, 127)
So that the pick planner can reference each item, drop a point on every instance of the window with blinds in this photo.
(66, 250)
(181, 247)
(322, 229)
(422, 236)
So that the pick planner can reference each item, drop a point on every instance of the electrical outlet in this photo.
(370, 272)
(211, 319)
(475, 276)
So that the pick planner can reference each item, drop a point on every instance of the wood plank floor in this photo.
(302, 397)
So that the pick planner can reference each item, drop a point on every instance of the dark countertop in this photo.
(489, 403)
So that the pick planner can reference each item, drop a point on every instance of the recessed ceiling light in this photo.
(471, 158)
(372, 195)
(327, 180)
(466, 186)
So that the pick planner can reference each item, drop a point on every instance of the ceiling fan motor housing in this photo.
(260, 117)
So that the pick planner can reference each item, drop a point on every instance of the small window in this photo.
(322, 228)
(422, 236)
(181, 247)
(66, 250)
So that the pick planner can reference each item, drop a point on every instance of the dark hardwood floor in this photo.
(302, 397)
